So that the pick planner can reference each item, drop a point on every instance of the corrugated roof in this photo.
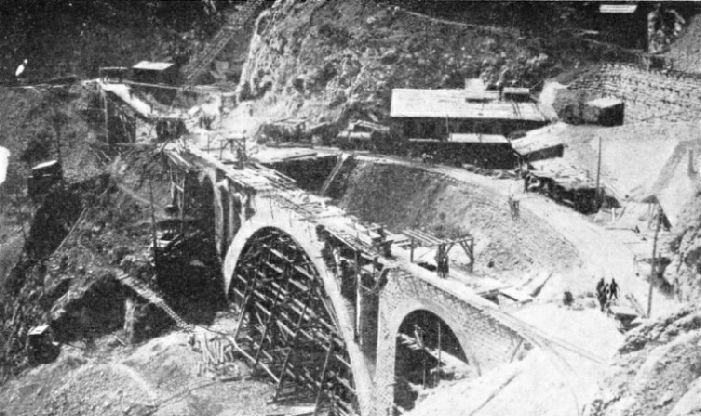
(476, 138)
(408, 103)
(154, 66)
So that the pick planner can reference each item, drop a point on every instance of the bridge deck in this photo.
(271, 184)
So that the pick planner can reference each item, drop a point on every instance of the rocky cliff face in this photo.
(686, 264)
(332, 60)
(657, 370)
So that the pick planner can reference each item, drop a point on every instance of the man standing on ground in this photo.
(601, 292)
(613, 290)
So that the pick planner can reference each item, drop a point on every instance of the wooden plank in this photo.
(301, 287)
(342, 360)
(304, 272)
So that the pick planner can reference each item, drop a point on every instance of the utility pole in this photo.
(598, 175)
(153, 226)
(439, 371)
(57, 136)
(653, 267)
(107, 119)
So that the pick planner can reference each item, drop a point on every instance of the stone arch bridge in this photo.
(324, 310)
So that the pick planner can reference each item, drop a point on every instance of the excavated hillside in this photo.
(334, 60)
(407, 197)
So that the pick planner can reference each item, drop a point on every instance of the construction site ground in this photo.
(548, 250)
(159, 377)
(541, 253)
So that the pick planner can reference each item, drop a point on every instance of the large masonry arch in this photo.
(265, 216)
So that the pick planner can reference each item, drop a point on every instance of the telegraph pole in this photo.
(653, 267)
(57, 136)
(598, 175)
(154, 241)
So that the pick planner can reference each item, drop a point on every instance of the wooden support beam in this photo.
(304, 273)
(322, 377)
(295, 335)
(299, 285)
(358, 297)
(248, 294)
(258, 305)
(342, 360)
(271, 316)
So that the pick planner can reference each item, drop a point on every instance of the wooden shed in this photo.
(155, 73)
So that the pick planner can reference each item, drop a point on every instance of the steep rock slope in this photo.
(657, 370)
(336, 59)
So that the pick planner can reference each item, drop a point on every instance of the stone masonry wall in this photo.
(486, 342)
(647, 94)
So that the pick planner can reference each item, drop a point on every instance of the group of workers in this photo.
(606, 292)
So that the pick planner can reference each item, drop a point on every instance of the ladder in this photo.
(329, 180)
(204, 58)
(153, 298)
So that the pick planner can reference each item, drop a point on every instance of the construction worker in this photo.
(441, 261)
(502, 79)
(600, 286)
(601, 293)
(419, 335)
(514, 206)
(613, 290)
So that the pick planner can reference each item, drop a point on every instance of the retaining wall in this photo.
(647, 94)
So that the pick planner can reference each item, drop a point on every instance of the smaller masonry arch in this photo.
(409, 306)
(429, 347)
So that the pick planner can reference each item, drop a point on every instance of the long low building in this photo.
(435, 114)
(490, 151)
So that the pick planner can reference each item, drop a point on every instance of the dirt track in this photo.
(598, 252)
